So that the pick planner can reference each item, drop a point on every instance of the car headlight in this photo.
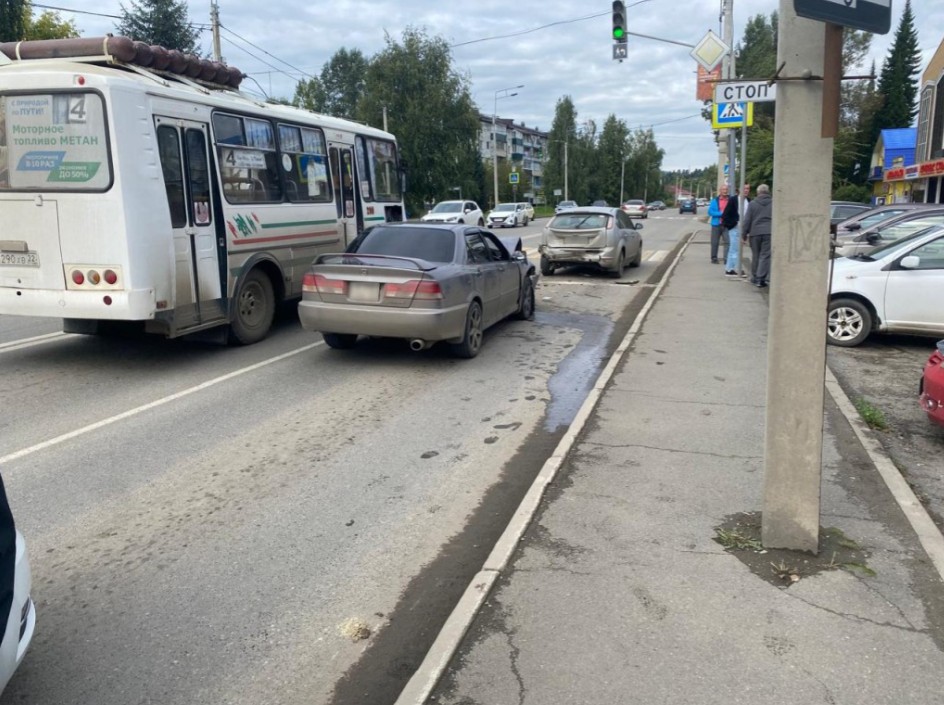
(452, 219)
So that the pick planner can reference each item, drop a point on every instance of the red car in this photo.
(931, 388)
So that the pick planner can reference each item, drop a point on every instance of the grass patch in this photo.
(871, 415)
(734, 540)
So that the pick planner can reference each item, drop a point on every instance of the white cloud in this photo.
(655, 85)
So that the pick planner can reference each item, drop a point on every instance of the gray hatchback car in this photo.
(602, 237)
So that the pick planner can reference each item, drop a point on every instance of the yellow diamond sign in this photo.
(710, 51)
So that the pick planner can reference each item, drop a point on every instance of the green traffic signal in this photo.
(619, 21)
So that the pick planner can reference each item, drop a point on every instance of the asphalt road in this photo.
(281, 523)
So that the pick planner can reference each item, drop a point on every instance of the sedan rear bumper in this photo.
(383, 322)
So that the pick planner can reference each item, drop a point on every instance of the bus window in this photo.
(363, 173)
(53, 142)
(248, 159)
(199, 174)
(168, 144)
(304, 164)
(383, 170)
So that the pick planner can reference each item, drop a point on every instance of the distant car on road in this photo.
(635, 208)
(422, 282)
(455, 212)
(599, 204)
(656, 206)
(931, 387)
(603, 237)
(894, 289)
(701, 202)
(565, 206)
(688, 205)
(509, 215)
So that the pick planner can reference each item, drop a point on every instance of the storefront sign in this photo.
(911, 172)
(896, 174)
(935, 168)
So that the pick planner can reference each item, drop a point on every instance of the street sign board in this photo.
(620, 52)
(725, 115)
(747, 91)
(869, 15)
(513, 177)
(706, 82)
(710, 51)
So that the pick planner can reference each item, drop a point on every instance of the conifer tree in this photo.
(161, 22)
(898, 82)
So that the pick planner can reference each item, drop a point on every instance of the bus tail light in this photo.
(419, 289)
(90, 277)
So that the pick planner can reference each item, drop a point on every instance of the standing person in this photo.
(758, 226)
(715, 209)
(729, 225)
(745, 209)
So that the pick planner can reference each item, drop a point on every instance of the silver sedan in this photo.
(422, 282)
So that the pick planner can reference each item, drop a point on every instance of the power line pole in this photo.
(215, 28)
(796, 347)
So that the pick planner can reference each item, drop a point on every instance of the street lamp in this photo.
(495, 135)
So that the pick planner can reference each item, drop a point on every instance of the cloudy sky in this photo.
(558, 47)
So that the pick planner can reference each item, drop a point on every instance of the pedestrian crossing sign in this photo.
(732, 115)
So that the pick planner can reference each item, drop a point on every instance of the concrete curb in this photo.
(928, 534)
(437, 659)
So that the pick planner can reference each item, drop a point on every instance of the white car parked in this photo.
(509, 215)
(896, 288)
(455, 212)
(18, 612)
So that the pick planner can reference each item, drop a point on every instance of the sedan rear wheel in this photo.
(848, 324)
(472, 339)
(547, 269)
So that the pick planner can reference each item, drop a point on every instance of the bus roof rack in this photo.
(122, 50)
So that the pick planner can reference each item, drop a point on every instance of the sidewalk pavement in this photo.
(618, 591)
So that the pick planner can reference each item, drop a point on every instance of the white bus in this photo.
(133, 193)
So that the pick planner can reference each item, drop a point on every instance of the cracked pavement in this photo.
(618, 592)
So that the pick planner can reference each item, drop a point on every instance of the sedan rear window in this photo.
(430, 244)
(580, 221)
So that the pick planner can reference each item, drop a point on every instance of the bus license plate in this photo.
(19, 259)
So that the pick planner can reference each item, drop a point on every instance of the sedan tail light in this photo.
(318, 283)
(421, 289)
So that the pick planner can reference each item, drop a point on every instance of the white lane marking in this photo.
(657, 256)
(31, 342)
(152, 405)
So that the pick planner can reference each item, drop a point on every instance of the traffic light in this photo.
(619, 21)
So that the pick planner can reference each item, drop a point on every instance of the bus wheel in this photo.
(254, 308)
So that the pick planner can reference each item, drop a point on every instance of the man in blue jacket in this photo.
(715, 209)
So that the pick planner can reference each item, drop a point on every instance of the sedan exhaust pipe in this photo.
(418, 344)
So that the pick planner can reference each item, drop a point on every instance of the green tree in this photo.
(430, 110)
(310, 95)
(898, 82)
(14, 19)
(562, 135)
(50, 25)
(161, 22)
(342, 80)
(613, 148)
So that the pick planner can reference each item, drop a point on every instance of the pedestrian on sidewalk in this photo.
(715, 209)
(729, 225)
(757, 228)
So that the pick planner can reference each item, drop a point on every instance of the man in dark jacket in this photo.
(756, 229)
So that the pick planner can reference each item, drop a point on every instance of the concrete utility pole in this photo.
(796, 347)
(215, 27)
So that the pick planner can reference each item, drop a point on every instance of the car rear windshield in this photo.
(580, 221)
(430, 244)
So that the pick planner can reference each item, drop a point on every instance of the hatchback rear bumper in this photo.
(605, 258)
